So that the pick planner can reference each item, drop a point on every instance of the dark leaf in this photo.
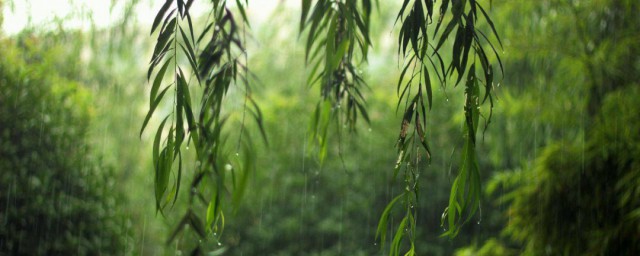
(157, 81)
(152, 109)
(160, 15)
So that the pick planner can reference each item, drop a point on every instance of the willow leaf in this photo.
(160, 15)
(152, 109)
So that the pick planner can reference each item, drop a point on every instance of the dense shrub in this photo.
(581, 198)
(56, 198)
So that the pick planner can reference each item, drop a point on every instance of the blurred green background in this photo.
(560, 160)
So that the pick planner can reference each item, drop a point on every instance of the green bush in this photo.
(580, 198)
(55, 196)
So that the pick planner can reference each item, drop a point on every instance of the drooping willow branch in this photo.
(337, 31)
(423, 59)
(214, 62)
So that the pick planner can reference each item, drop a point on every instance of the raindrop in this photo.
(237, 154)
(187, 147)
(375, 244)
(228, 167)
(219, 244)
(369, 129)
(217, 28)
(447, 99)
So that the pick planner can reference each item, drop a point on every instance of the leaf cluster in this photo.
(337, 32)
(421, 48)
(214, 58)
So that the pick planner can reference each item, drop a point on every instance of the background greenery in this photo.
(559, 160)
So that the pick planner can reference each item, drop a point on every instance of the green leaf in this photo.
(160, 15)
(402, 74)
(363, 112)
(175, 197)
(259, 120)
(493, 27)
(164, 168)
(325, 116)
(152, 108)
(156, 143)
(427, 85)
(404, 6)
(330, 44)
(157, 81)
(169, 17)
(242, 12)
(445, 35)
(191, 56)
(395, 244)
(181, 7)
(157, 58)
(306, 6)
(312, 75)
(213, 209)
(204, 32)
(340, 53)
(179, 111)
(190, 23)
(381, 232)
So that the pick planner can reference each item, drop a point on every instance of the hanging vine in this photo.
(337, 31)
(423, 64)
(337, 34)
(213, 61)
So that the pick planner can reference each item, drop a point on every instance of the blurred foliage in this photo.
(1, 13)
(490, 247)
(571, 137)
(56, 195)
(581, 198)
